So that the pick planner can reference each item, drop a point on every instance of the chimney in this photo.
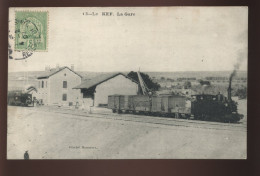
(72, 67)
(47, 68)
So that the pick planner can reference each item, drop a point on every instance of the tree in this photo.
(146, 78)
(187, 84)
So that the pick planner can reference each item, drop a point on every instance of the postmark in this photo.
(31, 31)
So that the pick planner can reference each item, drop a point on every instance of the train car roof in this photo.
(205, 95)
(171, 95)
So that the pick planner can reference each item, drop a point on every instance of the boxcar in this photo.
(119, 103)
(177, 104)
(111, 102)
(141, 103)
(169, 105)
(156, 104)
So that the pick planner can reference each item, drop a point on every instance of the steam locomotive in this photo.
(215, 108)
(200, 107)
(18, 98)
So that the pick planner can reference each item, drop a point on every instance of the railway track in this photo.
(179, 122)
(153, 120)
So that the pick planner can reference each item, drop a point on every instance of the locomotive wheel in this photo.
(167, 115)
(163, 114)
(152, 113)
(172, 115)
(158, 114)
(195, 117)
(141, 112)
(146, 113)
(186, 116)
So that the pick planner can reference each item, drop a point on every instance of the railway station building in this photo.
(95, 92)
(55, 86)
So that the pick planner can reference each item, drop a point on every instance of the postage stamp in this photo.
(31, 30)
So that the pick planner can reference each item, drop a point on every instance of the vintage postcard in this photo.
(127, 83)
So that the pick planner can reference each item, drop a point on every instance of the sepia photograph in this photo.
(127, 83)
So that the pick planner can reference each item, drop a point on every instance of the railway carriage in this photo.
(17, 98)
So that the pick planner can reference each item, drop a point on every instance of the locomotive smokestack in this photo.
(236, 67)
(229, 86)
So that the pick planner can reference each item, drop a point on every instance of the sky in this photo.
(160, 39)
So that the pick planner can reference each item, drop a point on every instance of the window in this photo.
(65, 84)
(64, 97)
(42, 84)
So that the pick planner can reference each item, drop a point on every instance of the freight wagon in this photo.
(119, 103)
(166, 105)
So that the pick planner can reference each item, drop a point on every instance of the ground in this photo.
(59, 133)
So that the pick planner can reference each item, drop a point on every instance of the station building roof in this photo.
(51, 72)
(100, 79)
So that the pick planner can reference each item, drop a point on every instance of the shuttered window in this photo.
(65, 85)
(64, 97)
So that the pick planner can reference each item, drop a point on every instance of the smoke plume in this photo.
(241, 57)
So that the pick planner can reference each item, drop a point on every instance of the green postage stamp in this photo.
(31, 30)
